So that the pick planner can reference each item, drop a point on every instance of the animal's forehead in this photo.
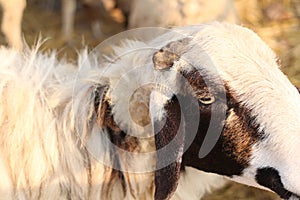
(227, 38)
(230, 50)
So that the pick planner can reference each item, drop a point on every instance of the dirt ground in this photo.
(276, 21)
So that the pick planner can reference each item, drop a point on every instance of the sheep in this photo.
(179, 13)
(137, 13)
(95, 6)
(68, 14)
(74, 131)
(11, 22)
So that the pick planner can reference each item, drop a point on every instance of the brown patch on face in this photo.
(239, 133)
(166, 56)
(231, 154)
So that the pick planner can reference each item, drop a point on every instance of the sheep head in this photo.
(254, 108)
(219, 103)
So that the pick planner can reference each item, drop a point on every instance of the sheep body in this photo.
(175, 13)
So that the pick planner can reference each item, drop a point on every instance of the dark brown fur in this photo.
(232, 151)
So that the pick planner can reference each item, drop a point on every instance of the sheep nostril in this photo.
(270, 178)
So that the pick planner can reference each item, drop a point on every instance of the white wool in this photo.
(30, 127)
(41, 120)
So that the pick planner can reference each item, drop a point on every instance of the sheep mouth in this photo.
(270, 178)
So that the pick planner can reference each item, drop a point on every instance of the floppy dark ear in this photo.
(169, 141)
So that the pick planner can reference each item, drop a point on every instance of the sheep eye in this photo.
(207, 100)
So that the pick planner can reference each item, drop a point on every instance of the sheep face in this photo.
(215, 105)
(255, 110)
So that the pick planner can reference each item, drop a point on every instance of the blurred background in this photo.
(70, 25)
